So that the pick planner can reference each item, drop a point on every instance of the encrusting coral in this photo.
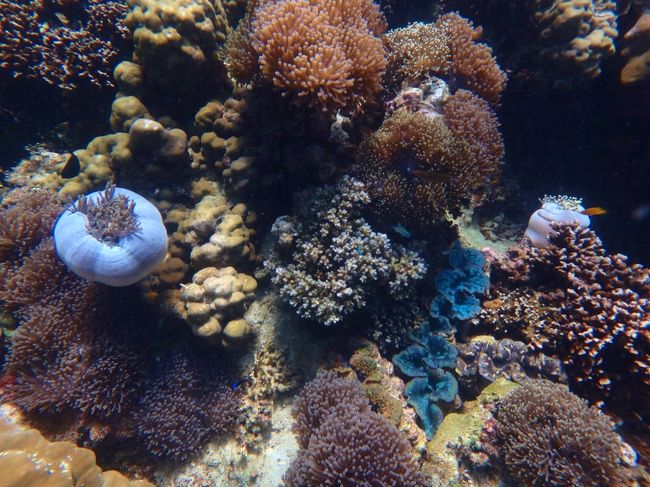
(603, 318)
(331, 263)
(35, 44)
(323, 54)
(29, 460)
(344, 443)
(549, 436)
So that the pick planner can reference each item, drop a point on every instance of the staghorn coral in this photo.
(332, 263)
(603, 319)
(29, 460)
(420, 165)
(549, 436)
(344, 443)
(35, 45)
(323, 54)
(447, 49)
(176, 41)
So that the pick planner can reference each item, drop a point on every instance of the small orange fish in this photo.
(594, 211)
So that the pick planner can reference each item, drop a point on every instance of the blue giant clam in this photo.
(115, 237)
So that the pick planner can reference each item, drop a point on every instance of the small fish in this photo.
(430, 176)
(72, 167)
(594, 211)
(359, 250)
(641, 212)
(401, 230)
(235, 385)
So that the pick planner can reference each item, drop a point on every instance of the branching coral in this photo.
(336, 263)
(419, 165)
(448, 49)
(549, 436)
(324, 54)
(604, 315)
(348, 444)
(80, 53)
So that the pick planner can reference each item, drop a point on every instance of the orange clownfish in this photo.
(594, 211)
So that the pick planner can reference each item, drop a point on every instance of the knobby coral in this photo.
(35, 44)
(346, 443)
(324, 54)
(331, 262)
(549, 436)
(603, 321)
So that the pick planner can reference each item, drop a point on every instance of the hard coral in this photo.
(347, 444)
(324, 54)
(332, 262)
(29, 460)
(604, 316)
(176, 41)
(78, 54)
(549, 436)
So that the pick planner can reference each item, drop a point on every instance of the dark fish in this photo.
(401, 230)
(430, 177)
(71, 168)
(641, 212)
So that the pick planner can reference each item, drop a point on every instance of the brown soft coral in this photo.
(417, 167)
(447, 48)
(327, 55)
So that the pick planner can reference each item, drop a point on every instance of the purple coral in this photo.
(346, 443)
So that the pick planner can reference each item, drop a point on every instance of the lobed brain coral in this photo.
(549, 436)
(323, 54)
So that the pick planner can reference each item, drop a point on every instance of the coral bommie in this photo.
(549, 436)
(327, 55)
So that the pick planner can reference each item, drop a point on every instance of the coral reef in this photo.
(81, 52)
(447, 49)
(326, 55)
(420, 165)
(344, 443)
(29, 460)
(602, 320)
(176, 41)
(555, 209)
(549, 436)
(330, 263)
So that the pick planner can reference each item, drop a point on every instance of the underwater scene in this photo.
(376, 243)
